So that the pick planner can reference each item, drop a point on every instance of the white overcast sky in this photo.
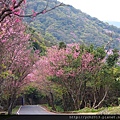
(105, 10)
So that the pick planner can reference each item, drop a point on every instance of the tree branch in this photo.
(42, 12)
(7, 11)
(102, 98)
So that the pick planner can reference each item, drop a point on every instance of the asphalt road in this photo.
(33, 110)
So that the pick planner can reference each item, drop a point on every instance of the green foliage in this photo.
(4, 74)
(59, 109)
(50, 38)
(62, 45)
(32, 90)
(47, 106)
(36, 46)
(119, 101)
(53, 78)
(99, 53)
(33, 93)
(112, 59)
(37, 41)
(90, 49)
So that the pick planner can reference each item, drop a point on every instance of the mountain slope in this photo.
(70, 25)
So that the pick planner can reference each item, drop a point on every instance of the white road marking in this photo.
(18, 110)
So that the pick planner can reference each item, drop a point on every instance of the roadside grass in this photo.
(84, 110)
(14, 111)
(46, 106)
(103, 110)
(88, 110)
(114, 110)
(58, 108)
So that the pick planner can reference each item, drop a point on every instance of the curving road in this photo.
(33, 110)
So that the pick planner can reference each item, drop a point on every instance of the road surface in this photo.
(33, 110)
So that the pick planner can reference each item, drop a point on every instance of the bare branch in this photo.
(46, 5)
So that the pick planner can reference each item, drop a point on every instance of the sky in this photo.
(104, 10)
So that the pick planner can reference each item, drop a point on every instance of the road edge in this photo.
(44, 108)
(19, 110)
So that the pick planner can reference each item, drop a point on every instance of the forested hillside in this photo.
(37, 41)
(70, 25)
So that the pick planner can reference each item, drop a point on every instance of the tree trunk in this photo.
(10, 109)
(11, 103)
(94, 103)
(52, 101)
(83, 103)
(76, 101)
(101, 100)
(48, 100)
(11, 106)
(64, 102)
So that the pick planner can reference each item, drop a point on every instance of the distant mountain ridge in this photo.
(115, 23)
(71, 25)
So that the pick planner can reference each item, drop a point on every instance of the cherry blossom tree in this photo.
(10, 7)
(17, 60)
(39, 77)
(69, 67)
(77, 70)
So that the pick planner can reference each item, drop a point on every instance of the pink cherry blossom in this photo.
(16, 59)
(3, 41)
(34, 13)
(44, 11)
